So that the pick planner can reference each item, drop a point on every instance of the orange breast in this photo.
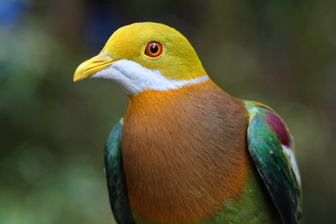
(184, 152)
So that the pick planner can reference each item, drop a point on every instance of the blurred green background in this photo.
(53, 131)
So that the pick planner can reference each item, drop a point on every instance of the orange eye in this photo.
(153, 49)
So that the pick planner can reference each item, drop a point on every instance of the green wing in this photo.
(115, 176)
(271, 147)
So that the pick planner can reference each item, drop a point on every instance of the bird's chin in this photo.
(132, 77)
(135, 78)
(112, 73)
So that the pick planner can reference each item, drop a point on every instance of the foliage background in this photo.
(52, 131)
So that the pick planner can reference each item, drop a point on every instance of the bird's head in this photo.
(144, 56)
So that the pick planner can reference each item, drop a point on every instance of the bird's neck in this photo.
(149, 98)
(184, 152)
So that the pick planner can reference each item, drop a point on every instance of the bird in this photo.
(186, 151)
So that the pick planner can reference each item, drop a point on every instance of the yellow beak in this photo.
(93, 66)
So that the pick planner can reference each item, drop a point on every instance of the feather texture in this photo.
(115, 176)
(185, 154)
(271, 148)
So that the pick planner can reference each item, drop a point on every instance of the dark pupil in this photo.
(154, 48)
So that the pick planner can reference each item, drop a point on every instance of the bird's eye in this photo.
(153, 49)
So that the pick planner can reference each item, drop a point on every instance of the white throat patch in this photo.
(135, 78)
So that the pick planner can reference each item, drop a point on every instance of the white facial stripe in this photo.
(135, 78)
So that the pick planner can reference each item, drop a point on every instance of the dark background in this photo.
(53, 131)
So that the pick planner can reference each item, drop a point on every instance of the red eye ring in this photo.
(154, 49)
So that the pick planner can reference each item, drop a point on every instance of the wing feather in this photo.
(115, 176)
(271, 147)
